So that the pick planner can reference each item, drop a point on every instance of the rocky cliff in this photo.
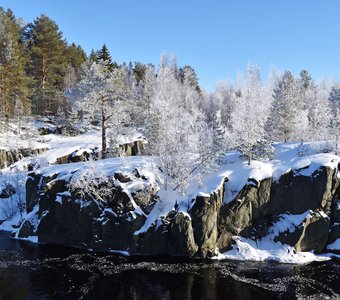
(10, 156)
(206, 225)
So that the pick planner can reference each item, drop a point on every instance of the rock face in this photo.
(315, 232)
(58, 216)
(129, 149)
(8, 157)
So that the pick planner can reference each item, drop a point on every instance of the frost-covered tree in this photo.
(335, 129)
(250, 113)
(319, 113)
(178, 135)
(334, 102)
(223, 99)
(91, 183)
(281, 122)
(102, 95)
(220, 135)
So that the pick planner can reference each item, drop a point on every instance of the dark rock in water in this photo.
(69, 222)
(249, 207)
(204, 215)
(154, 241)
(115, 231)
(27, 229)
(181, 236)
(33, 186)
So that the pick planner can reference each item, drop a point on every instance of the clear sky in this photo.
(217, 38)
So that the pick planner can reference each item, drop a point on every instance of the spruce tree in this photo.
(104, 55)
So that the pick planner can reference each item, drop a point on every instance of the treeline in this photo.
(37, 65)
(189, 130)
(42, 74)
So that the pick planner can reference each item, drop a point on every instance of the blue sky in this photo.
(217, 38)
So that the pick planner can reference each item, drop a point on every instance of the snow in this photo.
(266, 250)
(238, 175)
(132, 136)
(335, 245)
(287, 222)
(31, 239)
(10, 223)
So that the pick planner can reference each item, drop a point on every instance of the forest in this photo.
(186, 127)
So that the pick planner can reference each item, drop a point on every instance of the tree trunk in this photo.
(43, 85)
(250, 157)
(104, 147)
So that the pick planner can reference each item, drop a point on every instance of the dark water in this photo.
(30, 271)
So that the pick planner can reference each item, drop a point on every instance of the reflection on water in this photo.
(29, 271)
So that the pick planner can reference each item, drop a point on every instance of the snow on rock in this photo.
(132, 136)
(267, 250)
(287, 222)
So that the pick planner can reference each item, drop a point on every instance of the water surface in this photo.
(29, 271)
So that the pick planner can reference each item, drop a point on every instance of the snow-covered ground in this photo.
(58, 145)
(235, 169)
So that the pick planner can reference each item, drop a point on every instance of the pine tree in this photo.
(48, 65)
(14, 84)
(76, 56)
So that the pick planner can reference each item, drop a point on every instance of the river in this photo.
(29, 271)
